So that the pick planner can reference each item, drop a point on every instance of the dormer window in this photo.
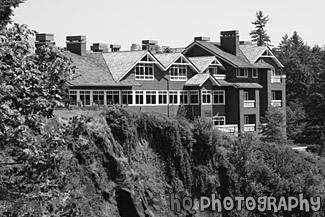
(242, 73)
(144, 70)
(178, 71)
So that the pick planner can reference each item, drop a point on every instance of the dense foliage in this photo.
(6, 10)
(121, 161)
(274, 128)
(305, 70)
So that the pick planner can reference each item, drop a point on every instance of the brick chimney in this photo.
(230, 41)
(44, 39)
(99, 47)
(77, 44)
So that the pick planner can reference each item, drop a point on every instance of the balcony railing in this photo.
(229, 128)
(276, 103)
(249, 103)
(277, 78)
(249, 127)
(219, 76)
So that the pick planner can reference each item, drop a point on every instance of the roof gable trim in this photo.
(149, 59)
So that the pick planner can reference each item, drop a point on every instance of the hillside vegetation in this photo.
(118, 163)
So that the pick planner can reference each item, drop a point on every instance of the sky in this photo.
(172, 23)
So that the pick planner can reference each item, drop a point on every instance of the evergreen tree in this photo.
(274, 128)
(259, 35)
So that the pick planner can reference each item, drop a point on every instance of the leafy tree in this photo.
(31, 85)
(273, 129)
(6, 11)
(259, 35)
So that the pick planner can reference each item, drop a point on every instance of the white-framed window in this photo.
(127, 97)
(242, 73)
(219, 120)
(194, 97)
(173, 97)
(139, 97)
(206, 97)
(254, 73)
(178, 72)
(162, 97)
(85, 97)
(144, 71)
(151, 97)
(219, 97)
(98, 97)
(113, 97)
(183, 97)
(73, 97)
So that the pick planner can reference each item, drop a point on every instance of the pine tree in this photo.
(259, 35)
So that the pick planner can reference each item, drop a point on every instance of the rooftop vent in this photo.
(115, 47)
(201, 38)
(44, 39)
(135, 47)
(99, 47)
(149, 45)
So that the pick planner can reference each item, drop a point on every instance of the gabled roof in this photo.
(214, 49)
(91, 69)
(120, 63)
(168, 59)
(202, 63)
(200, 79)
(253, 53)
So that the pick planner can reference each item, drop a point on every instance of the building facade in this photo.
(231, 82)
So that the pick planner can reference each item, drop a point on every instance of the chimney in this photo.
(135, 47)
(77, 44)
(149, 45)
(230, 41)
(99, 47)
(201, 38)
(44, 39)
(115, 47)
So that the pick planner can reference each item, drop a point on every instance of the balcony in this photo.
(249, 103)
(276, 103)
(277, 78)
(249, 127)
(229, 128)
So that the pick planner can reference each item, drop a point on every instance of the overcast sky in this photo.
(171, 22)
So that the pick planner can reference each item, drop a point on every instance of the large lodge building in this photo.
(232, 82)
